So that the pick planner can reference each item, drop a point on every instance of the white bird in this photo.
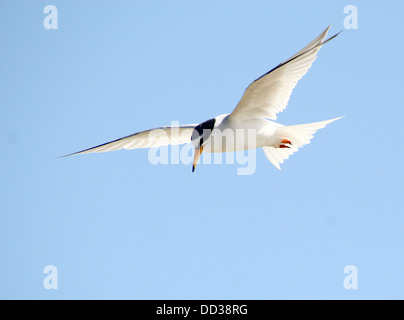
(262, 100)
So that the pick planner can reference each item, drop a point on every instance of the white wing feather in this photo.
(269, 94)
(153, 138)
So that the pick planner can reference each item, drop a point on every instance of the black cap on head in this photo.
(202, 132)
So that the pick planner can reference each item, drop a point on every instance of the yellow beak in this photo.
(198, 153)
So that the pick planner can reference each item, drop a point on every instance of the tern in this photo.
(256, 112)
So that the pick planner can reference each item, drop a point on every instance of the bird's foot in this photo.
(285, 143)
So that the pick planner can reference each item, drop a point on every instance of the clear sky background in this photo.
(116, 226)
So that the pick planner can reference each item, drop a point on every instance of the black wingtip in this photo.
(334, 36)
(61, 157)
(67, 155)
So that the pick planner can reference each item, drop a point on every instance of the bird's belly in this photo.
(230, 140)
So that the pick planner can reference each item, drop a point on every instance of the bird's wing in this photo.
(153, 138)
(270, 93)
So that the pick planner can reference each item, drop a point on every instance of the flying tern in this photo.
(256, 111)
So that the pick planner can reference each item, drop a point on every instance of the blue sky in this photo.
(118, 227)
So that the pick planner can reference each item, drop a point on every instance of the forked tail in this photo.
(298, 136)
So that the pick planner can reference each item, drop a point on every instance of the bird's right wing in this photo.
(154, 138)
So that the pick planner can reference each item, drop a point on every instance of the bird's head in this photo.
(199, 137)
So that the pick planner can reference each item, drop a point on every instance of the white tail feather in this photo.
(299, 135)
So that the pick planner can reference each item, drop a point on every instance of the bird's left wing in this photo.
(154, 138)
(270, 93)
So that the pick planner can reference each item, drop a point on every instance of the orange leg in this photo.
(285, 143)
